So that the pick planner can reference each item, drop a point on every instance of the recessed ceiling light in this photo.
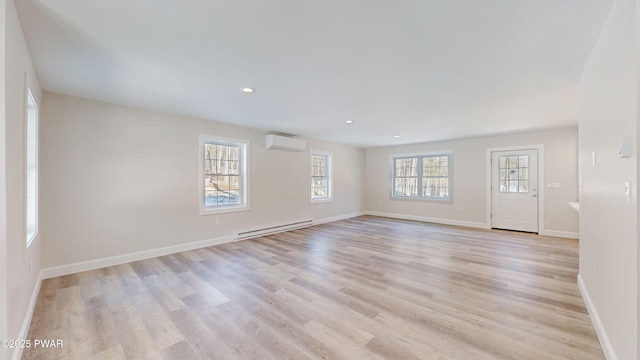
(349, 121)
(396, 136)
(248, 90)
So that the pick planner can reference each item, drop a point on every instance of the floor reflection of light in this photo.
(319, 249)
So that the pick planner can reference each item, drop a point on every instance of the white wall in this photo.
(22, 267)
(117, 180)
(608, 224)
(469, 179)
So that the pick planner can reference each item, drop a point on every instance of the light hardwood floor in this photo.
(364, 288)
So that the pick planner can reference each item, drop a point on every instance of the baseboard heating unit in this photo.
(271, 230)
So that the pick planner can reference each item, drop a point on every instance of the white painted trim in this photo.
(422, 153)
(329, 156)
(488, 185)
(607, 347)
(471, 224)
(62, 270)
(245, 154)
(73, 268)
(29, 98)
(270, 230)
(541, 188)
(562, 234)
(26, 322)
(392, 175)
(313, 223)
(339, 217)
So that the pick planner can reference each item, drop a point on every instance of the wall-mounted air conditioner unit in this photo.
(285, 143)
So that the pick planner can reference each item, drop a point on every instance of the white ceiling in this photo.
(422, 69)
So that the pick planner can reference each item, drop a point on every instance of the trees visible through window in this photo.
(514, 174)
(320, 176)
(223, 173)
(435, 177)
(406, 177)
(422, 177)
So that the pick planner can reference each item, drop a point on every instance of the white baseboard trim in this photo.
(276, 229)
(26, 322)
(471, 224)
(562, 234)
(555, 233)
(339, 217)
(73, 268)
(607, 348)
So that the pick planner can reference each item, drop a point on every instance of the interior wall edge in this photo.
(607, 347)
(28, 316)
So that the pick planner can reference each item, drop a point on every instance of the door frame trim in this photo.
(541, 187)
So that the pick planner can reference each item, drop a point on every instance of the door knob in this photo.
(534, 195)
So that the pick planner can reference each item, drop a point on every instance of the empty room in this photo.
(319, 180)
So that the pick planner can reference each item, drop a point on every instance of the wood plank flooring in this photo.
(364, 288)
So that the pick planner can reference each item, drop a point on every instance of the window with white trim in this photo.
(320, 176)
(422, 176)
(31, 168)
(223, 175)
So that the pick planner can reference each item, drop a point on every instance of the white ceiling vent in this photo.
(285, 143)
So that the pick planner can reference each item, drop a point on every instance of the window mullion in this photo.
(420, 173)
(430, 170)
(320, 176)
(224, 175)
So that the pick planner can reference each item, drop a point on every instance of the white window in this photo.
(224, 177)
(320, 176)
(514, 174)
(422, 176)
(31, 169)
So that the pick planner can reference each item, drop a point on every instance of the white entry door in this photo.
(514, 190)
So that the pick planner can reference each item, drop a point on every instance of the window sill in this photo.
(320, 201)
(223, 210)
(31, 237)
(431, 200)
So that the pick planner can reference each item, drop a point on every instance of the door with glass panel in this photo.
(514, 190)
